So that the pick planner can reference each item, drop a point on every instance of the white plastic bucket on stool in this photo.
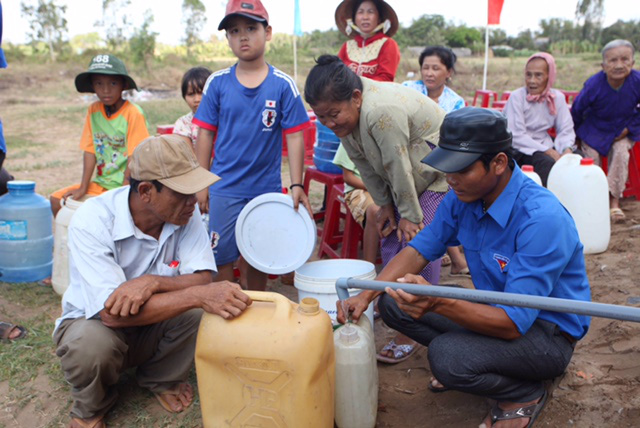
(318, 280)
(60, 275)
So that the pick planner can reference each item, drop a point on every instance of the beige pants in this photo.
(93, 356)
(618, 164)
(358, 201)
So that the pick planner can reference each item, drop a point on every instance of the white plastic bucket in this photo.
(60, 275)
(582, 188)
(318, 280)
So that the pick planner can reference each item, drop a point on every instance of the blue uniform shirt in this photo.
(249, 123)
(526, 243)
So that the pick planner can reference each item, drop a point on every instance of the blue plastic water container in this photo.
(327, 154)
(325, 134)
(26, 234)
(325, 165)
(331, 145)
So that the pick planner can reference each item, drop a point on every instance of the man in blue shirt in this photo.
(517, 238)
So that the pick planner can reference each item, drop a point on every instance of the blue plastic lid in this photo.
(21, 185)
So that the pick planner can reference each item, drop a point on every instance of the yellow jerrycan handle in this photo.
(283, 305)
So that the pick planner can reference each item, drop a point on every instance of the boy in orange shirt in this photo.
(112, 129)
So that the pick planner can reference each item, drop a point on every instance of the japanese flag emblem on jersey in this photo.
(268, 117)
(270, 104)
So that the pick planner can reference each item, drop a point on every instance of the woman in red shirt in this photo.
(370, 24)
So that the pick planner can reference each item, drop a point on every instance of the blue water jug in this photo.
(26, 234)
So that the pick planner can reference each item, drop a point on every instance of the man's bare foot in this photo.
(436, 386)
(517, 421)
(177, 399)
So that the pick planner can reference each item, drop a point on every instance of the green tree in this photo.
(115, 23)
(524, 40)
(590, 13)
(628, 30)
(143, 42)
(193, 16)
(463, 36)
(424, 31)
(560, 29)
(84, 42)
(47, 23)
(497, 36)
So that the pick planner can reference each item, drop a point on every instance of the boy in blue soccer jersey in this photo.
(517, 238)
(245, 109)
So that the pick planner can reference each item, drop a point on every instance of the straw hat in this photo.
(344, 17)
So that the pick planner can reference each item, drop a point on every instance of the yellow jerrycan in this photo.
(273, 366)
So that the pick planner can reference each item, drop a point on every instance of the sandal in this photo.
(617, 215)
(436, 387)
(464, 272)
(7, 328)
(532, 411)
(400, 352)
(94, 422)
(446, 260)
(160, 396)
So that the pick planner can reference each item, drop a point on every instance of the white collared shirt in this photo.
(107, 249)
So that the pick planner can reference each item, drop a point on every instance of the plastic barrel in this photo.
(325, 134)
(324, 153)
(60, 276)
(26, 234)
(326, 165)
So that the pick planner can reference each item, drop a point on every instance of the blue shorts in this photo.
(223, 214)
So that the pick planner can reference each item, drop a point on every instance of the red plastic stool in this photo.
(633, 182)
(349, 238)
(329, 180)
(485, 96)
(309, 134)
(332, 235)
(164, 129)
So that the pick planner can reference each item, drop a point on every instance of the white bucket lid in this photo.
(274, 238)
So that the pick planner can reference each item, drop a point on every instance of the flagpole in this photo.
(295, 60)
(486, 58)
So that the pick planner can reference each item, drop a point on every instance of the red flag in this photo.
(495, 8)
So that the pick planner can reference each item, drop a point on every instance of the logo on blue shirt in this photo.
(502, 261)
(268, 117)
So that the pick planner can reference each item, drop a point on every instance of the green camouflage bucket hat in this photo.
(104, 64)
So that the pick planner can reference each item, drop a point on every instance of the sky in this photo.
(517, 15)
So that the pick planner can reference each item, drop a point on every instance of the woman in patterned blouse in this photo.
(371, 52)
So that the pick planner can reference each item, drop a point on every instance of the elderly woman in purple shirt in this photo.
(534, 109)
(607, 119)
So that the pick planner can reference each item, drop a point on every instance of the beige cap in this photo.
(170, 160)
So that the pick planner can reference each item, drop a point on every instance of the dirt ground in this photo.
(601, 387)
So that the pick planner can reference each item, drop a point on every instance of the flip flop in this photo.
(446, 260)
(617, 215)
(160, 396)
(532, 411)
(400, 352)
(7, 328)
(464, 272)
(95, 422)
(436, 389)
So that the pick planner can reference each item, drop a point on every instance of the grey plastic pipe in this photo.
(603, 310)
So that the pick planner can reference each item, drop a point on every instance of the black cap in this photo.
(467, 134)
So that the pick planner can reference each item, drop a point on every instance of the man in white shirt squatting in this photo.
(140, 275)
